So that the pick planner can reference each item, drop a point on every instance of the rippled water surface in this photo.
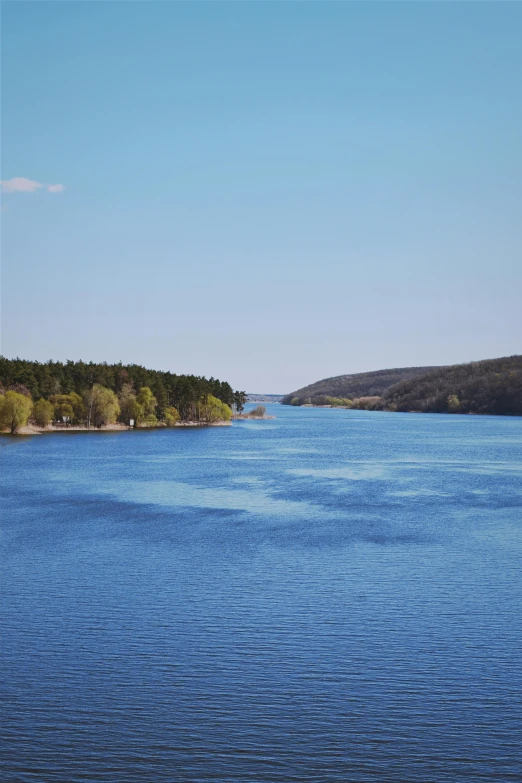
(328, 596)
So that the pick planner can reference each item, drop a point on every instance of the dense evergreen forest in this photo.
(187, 394)
(492, 386)
(363, 384)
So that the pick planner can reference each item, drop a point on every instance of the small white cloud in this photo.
(24, 185)
(20, 185)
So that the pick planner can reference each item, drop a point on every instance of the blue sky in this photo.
(267, 192)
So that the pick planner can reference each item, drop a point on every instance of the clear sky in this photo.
(267, 192)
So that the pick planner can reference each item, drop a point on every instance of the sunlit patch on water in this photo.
(356, 472)
(419, 492)
(296, 450)
(248, 480)
(491, 468)
(175, 493)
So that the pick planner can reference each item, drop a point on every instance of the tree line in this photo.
(492, 386)
(356, 385)
(100, 394)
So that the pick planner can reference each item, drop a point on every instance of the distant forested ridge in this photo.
(363, 384)
(492, 386)
(188, 394)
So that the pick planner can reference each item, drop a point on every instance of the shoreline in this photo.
(386, 410)
(246, 417)
(32, 429)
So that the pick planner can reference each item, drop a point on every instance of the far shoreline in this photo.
(385, 410)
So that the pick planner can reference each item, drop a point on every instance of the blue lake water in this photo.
(328, 596)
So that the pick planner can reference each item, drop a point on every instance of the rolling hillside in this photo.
(364, 384)
(491, 386)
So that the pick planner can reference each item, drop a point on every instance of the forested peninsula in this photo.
(492, 386)
(57, 395)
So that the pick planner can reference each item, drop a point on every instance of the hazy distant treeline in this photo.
(185, 393)
(361, 384)
(491, 386)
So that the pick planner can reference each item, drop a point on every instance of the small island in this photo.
(256, 414)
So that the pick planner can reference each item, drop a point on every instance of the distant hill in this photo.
(363, 384)
(491, 386)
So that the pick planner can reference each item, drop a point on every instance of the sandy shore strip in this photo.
(32, 429)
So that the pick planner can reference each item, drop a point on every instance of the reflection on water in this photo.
(328, 596)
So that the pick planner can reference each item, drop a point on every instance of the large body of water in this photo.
(329, 597)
